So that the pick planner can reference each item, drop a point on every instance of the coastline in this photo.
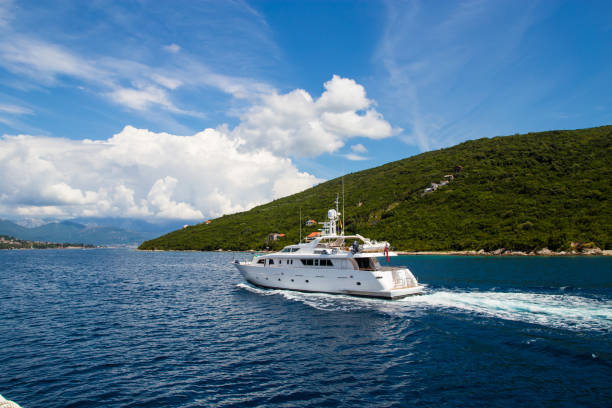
(503, 252)
(498, 252)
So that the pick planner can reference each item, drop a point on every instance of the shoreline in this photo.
(497, 252)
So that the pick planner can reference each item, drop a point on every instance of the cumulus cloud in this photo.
(140, 173)
(160, 197)
(296, 124)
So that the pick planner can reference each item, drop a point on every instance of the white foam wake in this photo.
(320, 301)
(567, 311)
(562, 310)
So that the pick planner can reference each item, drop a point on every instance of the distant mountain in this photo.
(95, 231)
(70, 231)
(520, 192)
(11, 229)
(155, 227)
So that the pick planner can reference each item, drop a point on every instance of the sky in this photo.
(194, 109)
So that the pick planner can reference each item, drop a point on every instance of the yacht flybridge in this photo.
(328, 264)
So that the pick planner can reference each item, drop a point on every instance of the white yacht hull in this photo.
(387, 283)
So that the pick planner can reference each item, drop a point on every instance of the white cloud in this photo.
(342, 95)
(140, 173)
(170, 83)
(355, 157)
(359, 148)
(15, 110)
(40, 211)
(295, 124)
(371, 125)
(172, 48)
(64, 194)
(357, 153)
(45, 63)
(160, 197)
(142, 99)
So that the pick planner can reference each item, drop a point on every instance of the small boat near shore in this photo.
(327, 264)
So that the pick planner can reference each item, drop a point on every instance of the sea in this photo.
(124, 328)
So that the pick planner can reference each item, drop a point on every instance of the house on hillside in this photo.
(273, 236)
(313, 235)
(449, 177)
(207, 222)
(310, 223)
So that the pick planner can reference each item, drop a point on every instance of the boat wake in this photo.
(553, 310)
(320, 301)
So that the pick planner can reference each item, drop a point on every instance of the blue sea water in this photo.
(122, 328)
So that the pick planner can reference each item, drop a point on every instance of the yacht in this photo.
(330, 263)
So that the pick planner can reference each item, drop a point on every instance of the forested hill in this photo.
(519, 192)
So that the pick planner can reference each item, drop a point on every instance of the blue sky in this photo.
(293, 91)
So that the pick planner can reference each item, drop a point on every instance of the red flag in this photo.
(387, 253)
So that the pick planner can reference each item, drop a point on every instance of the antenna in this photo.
(342, 233)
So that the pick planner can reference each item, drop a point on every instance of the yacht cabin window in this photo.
(287, 249)
(368, 264)
(316, 262)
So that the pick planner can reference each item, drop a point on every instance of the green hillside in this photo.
(519, 192)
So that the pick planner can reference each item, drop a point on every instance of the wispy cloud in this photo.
(355, 157)
(5, 12)
(48, 64)
(359, 148)
(444, 63)
(145, 80)
(15, 110)
(44, 62)
(173, 48)
(357, 152)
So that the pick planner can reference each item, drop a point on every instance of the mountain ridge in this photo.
(520, 192)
